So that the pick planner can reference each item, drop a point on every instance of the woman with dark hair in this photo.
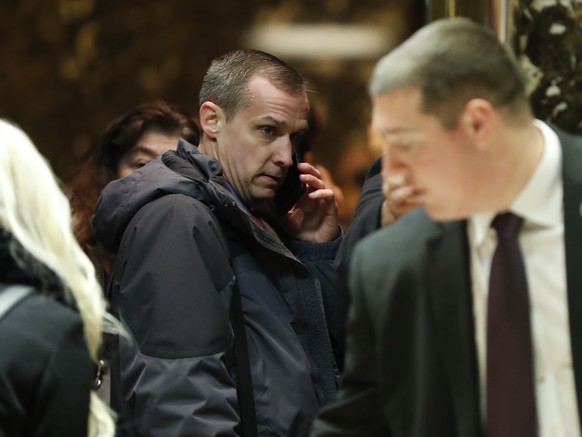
(131, 141)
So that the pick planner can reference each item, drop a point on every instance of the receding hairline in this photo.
(226, 82)
(269, 76)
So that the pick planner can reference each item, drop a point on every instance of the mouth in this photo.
(418, 195)
(271, 180)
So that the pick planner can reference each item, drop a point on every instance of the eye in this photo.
(268, 131)
(139, 164)
(406, 147)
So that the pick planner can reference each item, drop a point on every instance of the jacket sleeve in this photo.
(172, 285)
(319, 260)
(365, 221)
(356, 412)
(366, 218)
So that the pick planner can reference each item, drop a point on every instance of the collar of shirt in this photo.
(539, 203)
(255, 218)
(239, 201)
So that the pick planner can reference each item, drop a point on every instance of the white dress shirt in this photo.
(542, 244)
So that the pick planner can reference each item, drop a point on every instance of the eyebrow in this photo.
(281, 124)
(269, 118)
(397, 130)
(135, 150)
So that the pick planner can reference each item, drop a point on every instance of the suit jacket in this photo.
(411, 366)
(367, 216)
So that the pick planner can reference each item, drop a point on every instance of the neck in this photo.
(206, 148)
(519, 154)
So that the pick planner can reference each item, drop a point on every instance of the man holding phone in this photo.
(211, 279)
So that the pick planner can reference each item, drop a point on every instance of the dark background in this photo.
(70, 66)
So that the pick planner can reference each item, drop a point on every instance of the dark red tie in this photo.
(258, 220)
(511, 406)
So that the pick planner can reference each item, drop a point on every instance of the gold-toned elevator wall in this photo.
(70, 66)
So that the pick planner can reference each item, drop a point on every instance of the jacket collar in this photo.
(451, 301)
(572, 176)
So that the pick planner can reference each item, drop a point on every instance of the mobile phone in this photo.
(290, 190)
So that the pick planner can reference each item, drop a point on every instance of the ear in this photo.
(210, 116)
(477, 120)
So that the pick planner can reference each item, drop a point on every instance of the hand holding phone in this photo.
(315, 217)
(290, 190)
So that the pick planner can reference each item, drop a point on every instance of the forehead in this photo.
(266, 99)
(153, 143)
(397, 110)
(399, 116)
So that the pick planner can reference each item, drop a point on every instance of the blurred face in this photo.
(255, 147)
(442, 165)
(149, 145)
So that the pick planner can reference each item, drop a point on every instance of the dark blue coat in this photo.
(174, 224)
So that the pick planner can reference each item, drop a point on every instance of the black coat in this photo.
(411, 366)
(46, 372)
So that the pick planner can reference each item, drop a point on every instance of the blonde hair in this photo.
(37, 214)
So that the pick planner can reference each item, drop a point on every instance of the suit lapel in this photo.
(572, 176)
(451, 302)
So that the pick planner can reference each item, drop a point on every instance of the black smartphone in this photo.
(290, 190)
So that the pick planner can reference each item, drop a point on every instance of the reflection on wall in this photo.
(71, 66)
(548, 40)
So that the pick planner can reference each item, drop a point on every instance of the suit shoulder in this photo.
(412, 229)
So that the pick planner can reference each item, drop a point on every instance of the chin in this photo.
(446, 216)
(441, 214)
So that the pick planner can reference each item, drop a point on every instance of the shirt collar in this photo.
(540, 200)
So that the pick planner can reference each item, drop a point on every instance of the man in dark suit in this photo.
(422, 357)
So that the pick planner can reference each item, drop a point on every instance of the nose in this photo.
(283, 151)
(392, 162)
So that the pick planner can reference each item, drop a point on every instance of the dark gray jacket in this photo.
(174, 224)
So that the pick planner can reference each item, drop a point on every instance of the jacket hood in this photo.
(121, 199)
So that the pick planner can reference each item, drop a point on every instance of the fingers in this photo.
(320, 186)
(313, 182)
(322, 194)
(306, 168)
(399, 195)
(395, 180)
(396, 189)
(311, 176)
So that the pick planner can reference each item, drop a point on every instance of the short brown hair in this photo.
(453, 61)
(226, 80)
